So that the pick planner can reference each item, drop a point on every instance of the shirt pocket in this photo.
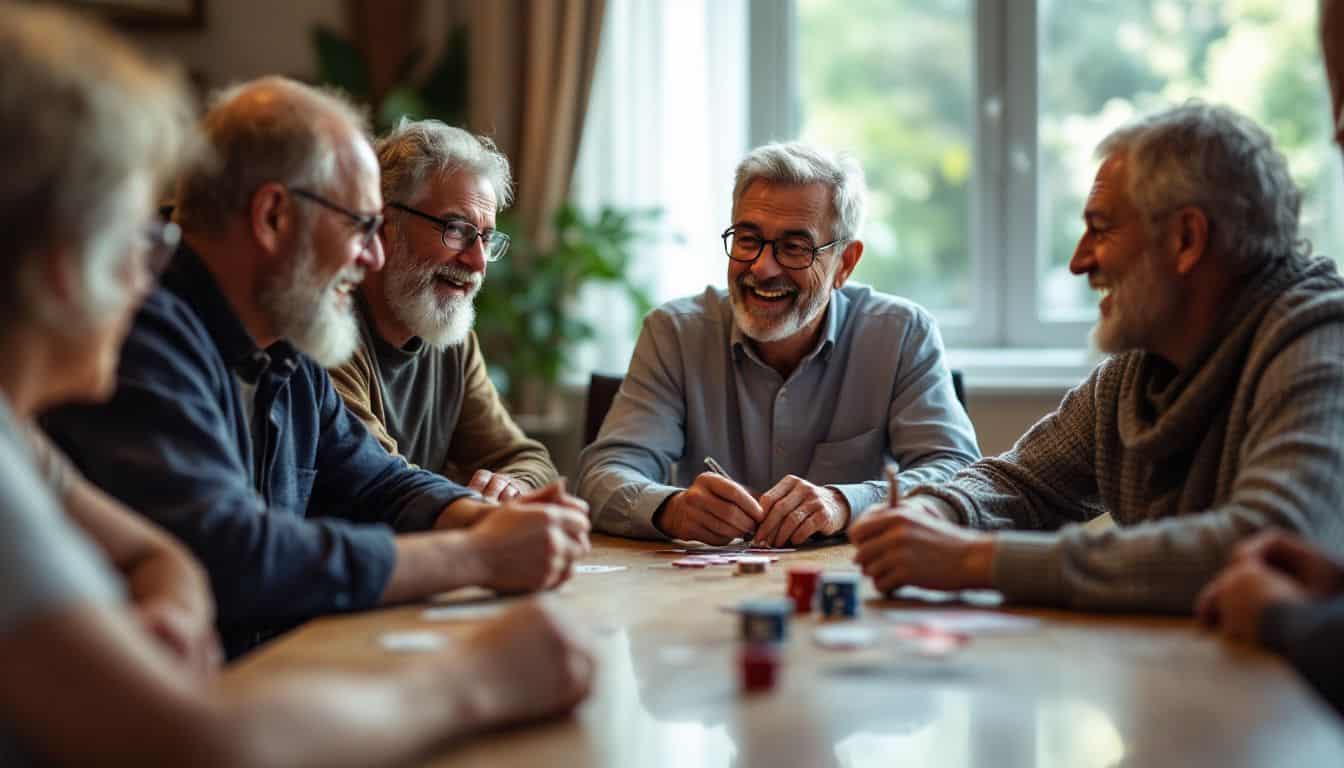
(852, 460)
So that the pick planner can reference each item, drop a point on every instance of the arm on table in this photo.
(65, 679)
(1289, 479)
(486, 437)
(624, 473)
(1310, 635)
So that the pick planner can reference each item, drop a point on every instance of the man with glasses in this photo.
(225, 428)
(418, 379)
(802, 388)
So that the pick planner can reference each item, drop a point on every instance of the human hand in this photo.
(795, 509)
(714, 510)
(188, 637)
(527, 664)
(1235, 601)
(496, 486)
(1317, 573)
(906, 545)
(531, 542)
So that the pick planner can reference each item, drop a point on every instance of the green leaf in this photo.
(340, 63)
(402, 101)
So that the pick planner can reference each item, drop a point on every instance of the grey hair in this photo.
(795, 163)
(81, 114)
(1218, 160)
(268, 130)
(416, 149)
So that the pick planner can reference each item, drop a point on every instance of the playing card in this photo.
(462, 612)
(411, 642)
(598, 568)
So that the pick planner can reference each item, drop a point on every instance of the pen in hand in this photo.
(716, 468)
(893, 487)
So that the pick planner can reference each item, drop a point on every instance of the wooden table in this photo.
(1078, 690)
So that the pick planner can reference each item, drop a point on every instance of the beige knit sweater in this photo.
(1188, 463)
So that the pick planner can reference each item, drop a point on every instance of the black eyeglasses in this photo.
(458, 234)
(367, 224)
(792, 252)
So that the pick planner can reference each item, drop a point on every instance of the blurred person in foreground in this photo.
(225, 427)
(99, 608)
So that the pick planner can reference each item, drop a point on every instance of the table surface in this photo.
(1076, 690)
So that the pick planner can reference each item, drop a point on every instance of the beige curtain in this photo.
(531, 71)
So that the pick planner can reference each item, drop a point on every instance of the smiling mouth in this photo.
(769, 296)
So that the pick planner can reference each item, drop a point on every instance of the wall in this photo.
(243, 39)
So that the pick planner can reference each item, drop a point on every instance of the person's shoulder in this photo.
(709, 309)
(868, 308)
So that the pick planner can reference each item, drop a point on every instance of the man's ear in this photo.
(849, 259)
(1188, 235)
(59, 276)
(271, 217)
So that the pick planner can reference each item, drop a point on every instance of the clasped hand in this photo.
(717, 510)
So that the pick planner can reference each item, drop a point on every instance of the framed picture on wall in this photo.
(146, 13)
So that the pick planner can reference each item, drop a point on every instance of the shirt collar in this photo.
(836, 312)
(189, 278)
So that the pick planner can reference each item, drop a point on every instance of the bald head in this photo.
(269, 130)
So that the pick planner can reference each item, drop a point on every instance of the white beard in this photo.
(304, 311)
(1142, 305)
(409, 290)
(776, 328)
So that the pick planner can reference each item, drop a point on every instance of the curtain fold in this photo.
(531, 75)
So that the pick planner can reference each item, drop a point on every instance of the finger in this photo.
(715, 525)
(510, 491)
(888, 575)
(781, 489)
(698, 532)
(810, 525)
(788, 525)
(479, 480)
(875, 548)
(792, 511)
(1206, 605)
(573, 523)
(874, 522)
(726, 513)
(496, 486)
(551, 493)
(732, 493)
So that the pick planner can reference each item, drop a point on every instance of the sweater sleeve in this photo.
(1046, 480)
(486, 436)
(1288, 477)
(1310, 636)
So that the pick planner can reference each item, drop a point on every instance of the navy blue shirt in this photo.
(293, 524)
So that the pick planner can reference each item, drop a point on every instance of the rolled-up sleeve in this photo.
(623, 474)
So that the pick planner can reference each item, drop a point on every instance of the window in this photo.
(975, 200)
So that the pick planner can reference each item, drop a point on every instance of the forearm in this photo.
(624, 503)
(428, 563)
(463, 513)
(358, 720)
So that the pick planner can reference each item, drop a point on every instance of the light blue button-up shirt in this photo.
(874, 390)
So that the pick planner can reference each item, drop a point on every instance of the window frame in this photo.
(1005, 228)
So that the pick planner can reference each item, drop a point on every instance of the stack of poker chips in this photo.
(803, 587)
(840, 595)
(765, 626)
(752, 564)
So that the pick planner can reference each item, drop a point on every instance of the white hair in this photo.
(87, 127)
(795, 163)
(415, 150)
(268, 130)
(1221, 162)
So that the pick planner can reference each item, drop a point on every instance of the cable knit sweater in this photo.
(1188, 462)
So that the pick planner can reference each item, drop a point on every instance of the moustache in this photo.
(748, 280)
